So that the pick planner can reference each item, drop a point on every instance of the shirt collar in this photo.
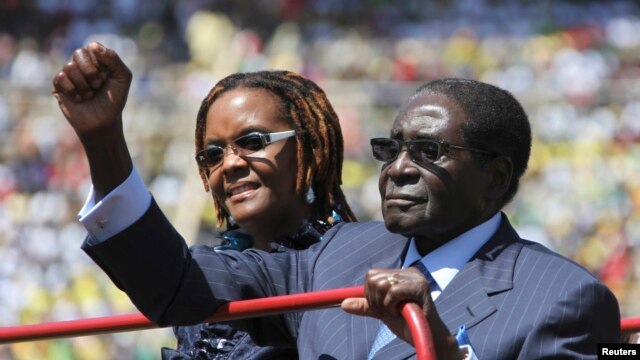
(445, 261)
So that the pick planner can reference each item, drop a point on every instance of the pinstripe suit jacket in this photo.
(517, 299)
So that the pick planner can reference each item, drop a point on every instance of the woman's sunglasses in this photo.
(213, 155)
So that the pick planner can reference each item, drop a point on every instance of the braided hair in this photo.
(319, 141)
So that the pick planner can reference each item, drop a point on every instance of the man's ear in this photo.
(501, 169)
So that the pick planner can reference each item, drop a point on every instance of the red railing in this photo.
(630, 325)
(420, 332)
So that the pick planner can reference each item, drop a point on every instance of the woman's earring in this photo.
(310, 197)
(231, 221)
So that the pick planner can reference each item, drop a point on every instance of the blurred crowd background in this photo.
(575, 66)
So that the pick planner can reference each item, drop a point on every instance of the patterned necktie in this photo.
(384, 335)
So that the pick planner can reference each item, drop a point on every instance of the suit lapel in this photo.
(467, 299)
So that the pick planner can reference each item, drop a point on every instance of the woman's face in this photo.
(257, 189)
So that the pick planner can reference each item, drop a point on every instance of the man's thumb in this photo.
(356, 306)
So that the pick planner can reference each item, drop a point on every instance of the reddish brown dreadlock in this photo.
(319, 141)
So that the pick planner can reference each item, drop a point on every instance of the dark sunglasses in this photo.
(244, 145)
(421, 151)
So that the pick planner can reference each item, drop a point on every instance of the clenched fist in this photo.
(92, 91)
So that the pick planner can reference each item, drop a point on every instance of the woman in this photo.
(269, 147)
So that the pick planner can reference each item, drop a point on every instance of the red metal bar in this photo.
(70, 328)
(129, 322)
(420, 331)
(630, 325)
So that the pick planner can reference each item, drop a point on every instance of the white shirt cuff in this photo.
(117, 211)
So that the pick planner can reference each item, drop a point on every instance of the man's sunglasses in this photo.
(212, 156)
(421, 151)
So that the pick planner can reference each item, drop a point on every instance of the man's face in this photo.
(434, 201)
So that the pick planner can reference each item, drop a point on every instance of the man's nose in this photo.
(402, 166)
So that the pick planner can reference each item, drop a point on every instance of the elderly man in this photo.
(454, 158)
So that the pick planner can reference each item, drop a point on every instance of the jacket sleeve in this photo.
(174, 285)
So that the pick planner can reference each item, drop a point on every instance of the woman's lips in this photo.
(241, 192)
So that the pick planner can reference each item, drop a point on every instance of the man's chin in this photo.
(401, 225)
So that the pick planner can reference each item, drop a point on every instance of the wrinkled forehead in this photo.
(426, 114)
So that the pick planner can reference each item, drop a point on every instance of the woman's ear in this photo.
(501, 169)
